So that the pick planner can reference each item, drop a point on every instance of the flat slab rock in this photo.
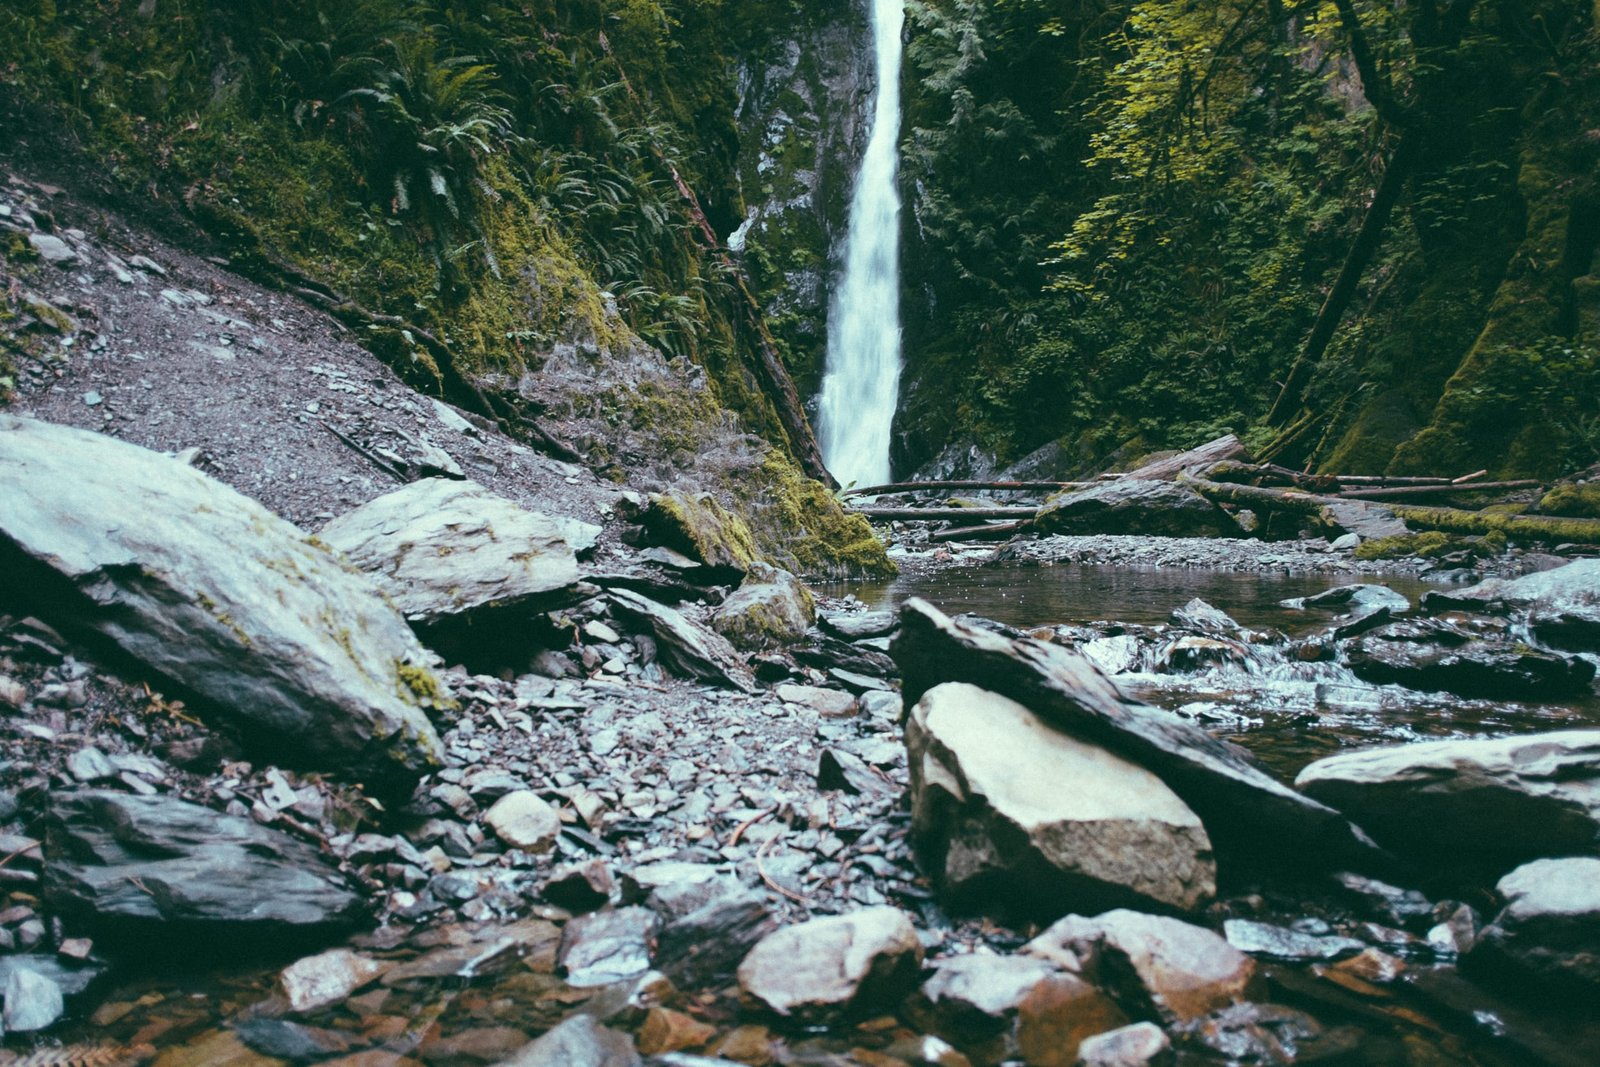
(135, 862)
(686, 646)
(1483, 803)
(1248, 815)
(1003, 802)
(1562, 605)
(843, 965)
(1550, 927)
(441, 547)
(1135, 506)
(213, 591)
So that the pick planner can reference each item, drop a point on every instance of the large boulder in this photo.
(1562, 606)
(1550, 927)
(770, 608)
(1135, 506)
(441, 548)
(143, 865)
(1155, 966)
(1478, 805)
(1248, 815)
(701, 529)
(218, 594)
(686, 646)
(824, 969)
(1006, 809)
(1470, 661)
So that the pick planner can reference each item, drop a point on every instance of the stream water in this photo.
(862, 376)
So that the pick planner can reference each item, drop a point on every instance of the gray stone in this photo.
(214, 591)
(1246, 812)
(1550, 926)
(859, 626)
(607, 946)
(826, 968)
(577, 1042)
(53, 249)
(523, 820)
(89, 764)
(33, 1001)
(441, 547)
(975, 1001)
(131, 862)
(685, 646)
(1135, 506)
(770, 608)
(327, 978)
(1486, 804)
(1368, 521)
(1007, 809)
(830, 703)
(1134, 1045)
(1467, 660)
(1198, 615)
(1154, 965)
(1283, 943)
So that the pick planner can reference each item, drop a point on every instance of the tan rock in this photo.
(665, 1030)
(844, 964)
(524, 821)
(327, 978)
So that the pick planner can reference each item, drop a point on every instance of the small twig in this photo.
(761, 869)
(1474, 476)
(371, 456)
(742, 827)
(35, 847)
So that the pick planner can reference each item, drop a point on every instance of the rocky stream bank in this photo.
(421, 747)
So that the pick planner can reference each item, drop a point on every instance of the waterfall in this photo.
(861, 382)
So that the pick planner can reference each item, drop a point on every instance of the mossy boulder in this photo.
(772, 608)
(1576, 500)
(701, 529)
(802, 527)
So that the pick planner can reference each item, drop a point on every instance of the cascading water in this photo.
(862, 379)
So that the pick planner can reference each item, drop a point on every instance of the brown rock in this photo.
(1055, 1017)
(665, 1030)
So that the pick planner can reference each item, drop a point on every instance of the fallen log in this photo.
(915, 487)
(1545, 528)
(1207, 455)
(986, 532)
(1235, 471)
(944, 514)
(1448, 489)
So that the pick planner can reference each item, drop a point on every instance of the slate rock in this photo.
(1007, 809)
(1250, 817)
(686, 646)
(1201, 616)
(607, 946)
(1135, 506)
(842, 965)
(1154, 965)
(32, 1001)
(770, 609)
(1134, 1045)
(218, 594)
(53, 249)
(1550, 926)
(327, 978)
(577, 1042)
(858, 626)
(1441, 655)
(1284, 943)
(1481, 805)
(441, 548)
(580, 887)
(705, 946)
(136, 863)
(830, 703)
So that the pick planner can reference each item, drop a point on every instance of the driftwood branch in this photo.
(986, 532)
(944, 514)
(1448, 489)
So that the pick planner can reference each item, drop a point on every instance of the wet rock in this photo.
(829, 703)
(607, 946)
(1562, 606)
(836, 966)
(578, 1042)
(440, 548)
(1436, 654)
(1057, 1015)
(1550, 926)
(1192, 653)
(32, 1001)
(1365, 519)
(859, 626)
(1198, 615)
(706, 945)
(523, 820)
(105, 851)
(1283, 943)
(1006, 808)
(1357, 600)
(327, 978)
(771, 608)
(1178, 971)
(685, 646)
(1457, 934)
(217, 593)
(1135, 506)
(70, 975)
(1390, 904)
(1248, 815)
(1134, 1045)
(1267, 1034)
(1481, 805)
(701, 529)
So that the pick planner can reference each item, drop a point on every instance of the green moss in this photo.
(420, 684)
(1519, 528)
(1429, 544)
(798, 524)
(1572, 499)
(701, 529)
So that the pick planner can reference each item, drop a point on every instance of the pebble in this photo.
(523, 820)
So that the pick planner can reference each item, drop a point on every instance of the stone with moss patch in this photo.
(770, 609)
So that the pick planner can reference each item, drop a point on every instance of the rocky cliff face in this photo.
(803, 124)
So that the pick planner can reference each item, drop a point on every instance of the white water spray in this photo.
(862, 380)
